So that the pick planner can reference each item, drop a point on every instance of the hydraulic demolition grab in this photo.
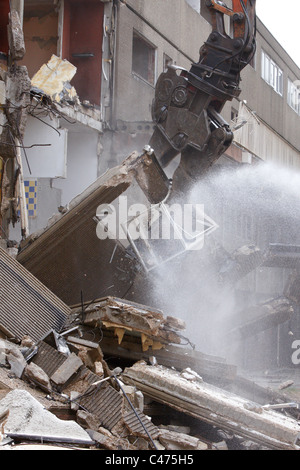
(187, 104)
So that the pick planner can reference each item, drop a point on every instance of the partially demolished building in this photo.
(121, 336)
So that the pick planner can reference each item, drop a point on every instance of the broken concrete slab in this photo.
(87, 420)
(10, 354)
(240, 263)
(29, 420)
(286, 384)
(179, 441)
(67, 370)
(27, 307)
(214, 406)
(261, 317)
(251, 390)
(124, 316)
(213, 369)
(18, 87)
(174, 428)
(17, 362)
(48, 358)
(66, 255)
(151, 177)
(133, 396)
(124, 313)
(15, 36)
(89, 352)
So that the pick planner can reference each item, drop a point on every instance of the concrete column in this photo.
(18, 5)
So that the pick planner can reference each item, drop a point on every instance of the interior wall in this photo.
(81, 160)
(82, 46)
(41, 35)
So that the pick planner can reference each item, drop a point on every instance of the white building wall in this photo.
(46, 149)
(82, 165)
(259, 139)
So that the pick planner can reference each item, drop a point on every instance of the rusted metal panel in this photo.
(27, 307)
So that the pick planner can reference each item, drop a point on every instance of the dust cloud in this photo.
(255, 205)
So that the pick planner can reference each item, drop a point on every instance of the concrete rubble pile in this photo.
(115, 376)
(125, 373)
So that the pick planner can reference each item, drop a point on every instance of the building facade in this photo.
(119, 49)
(102, 59)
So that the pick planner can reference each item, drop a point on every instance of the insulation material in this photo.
(48, 358)
(260, 140)
(214, 406)
(27, 307)
(53, 79)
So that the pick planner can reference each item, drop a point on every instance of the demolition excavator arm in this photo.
(187, 104)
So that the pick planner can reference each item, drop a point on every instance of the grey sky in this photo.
(282, 20)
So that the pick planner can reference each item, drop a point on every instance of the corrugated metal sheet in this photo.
(27, 307)
(136, 428)
(48, 358)
(283, 256)
(53, 77)
(105, 404)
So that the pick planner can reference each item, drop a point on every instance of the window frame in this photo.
(271, 73)
(293, 96)
(153, 48)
